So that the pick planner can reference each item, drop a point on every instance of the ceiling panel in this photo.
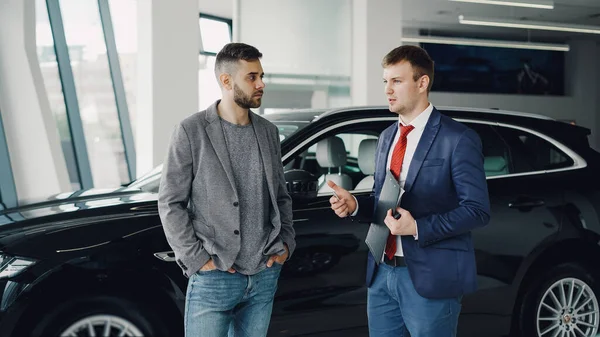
(441, 17)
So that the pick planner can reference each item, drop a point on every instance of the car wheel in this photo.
(100, 316)
(564, 302)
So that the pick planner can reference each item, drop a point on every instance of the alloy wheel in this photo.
(102, 326)
(569, 308)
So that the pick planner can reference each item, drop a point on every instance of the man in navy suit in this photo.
(429, 262)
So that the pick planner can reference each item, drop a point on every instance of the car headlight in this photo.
(12, 266)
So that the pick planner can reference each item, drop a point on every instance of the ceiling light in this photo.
(486, 43)
(529, 25)
(530, 3)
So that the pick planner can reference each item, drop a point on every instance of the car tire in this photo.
(73, 317)
(545, 307)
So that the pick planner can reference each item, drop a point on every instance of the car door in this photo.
(322, 287)
(525, 203)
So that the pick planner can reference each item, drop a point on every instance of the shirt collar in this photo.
(421, 120)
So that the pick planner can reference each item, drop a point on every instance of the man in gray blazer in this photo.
(224, 205)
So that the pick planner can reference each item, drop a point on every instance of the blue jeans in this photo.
(396, 309)
(220, 304)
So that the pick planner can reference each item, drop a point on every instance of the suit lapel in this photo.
(429, 133)
(214, 130)
(385, 150)
(265, 149)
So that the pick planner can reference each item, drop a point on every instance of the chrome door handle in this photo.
(526, 204)
(168, 256)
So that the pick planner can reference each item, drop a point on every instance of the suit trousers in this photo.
(394, 308)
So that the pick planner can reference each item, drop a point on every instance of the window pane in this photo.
(49, 68)
(496, 158)
(87, 50)
(215, 34)
(124, 18)
(351, 174)
(532, 153)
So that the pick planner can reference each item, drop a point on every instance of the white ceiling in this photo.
(440, 17)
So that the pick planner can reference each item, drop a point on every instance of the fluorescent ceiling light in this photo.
(530, 3)
(529, 25)
(486, 43)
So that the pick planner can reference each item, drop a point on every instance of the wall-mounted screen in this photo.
(497, 70)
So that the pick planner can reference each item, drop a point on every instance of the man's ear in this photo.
(424, 83)
(225, 80)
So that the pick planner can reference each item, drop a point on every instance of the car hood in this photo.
(74, 207)
(72, 195)
(81, 196)
(81, 219)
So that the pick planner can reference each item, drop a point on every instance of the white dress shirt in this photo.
(412, 140)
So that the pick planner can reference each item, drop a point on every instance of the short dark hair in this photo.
(418, 58)
(231, 53)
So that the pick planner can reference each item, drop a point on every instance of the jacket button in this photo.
(235, 203)
(236, 232)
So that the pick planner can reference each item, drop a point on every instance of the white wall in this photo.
(299, 37)
(168, 47)
(280, 98)
(37, 160)
(376, 30)
(221, 8)
(582, 64)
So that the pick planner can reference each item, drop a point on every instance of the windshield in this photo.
(286, 128)
(149, 182)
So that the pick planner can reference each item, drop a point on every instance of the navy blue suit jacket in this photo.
(446, 192)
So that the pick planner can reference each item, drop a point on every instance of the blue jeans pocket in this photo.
(204, 272)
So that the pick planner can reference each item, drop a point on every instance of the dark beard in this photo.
(244, 101)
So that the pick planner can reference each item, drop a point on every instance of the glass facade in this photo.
(124, 19)
(87, 51)
(49, 67)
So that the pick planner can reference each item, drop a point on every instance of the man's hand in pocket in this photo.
(210, 265)
(278, 258)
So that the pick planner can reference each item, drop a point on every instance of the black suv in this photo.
(96, 262)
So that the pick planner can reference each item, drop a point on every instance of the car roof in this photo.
(308, 115)
(296, 115)
(573, 135)
(444, 109)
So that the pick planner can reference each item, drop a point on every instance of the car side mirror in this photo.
(301, 184)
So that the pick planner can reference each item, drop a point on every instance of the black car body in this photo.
(99, 260)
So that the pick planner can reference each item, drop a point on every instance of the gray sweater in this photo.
(249, 176)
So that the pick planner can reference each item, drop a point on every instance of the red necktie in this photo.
(395, 168)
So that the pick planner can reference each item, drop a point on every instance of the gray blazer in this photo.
(197, 198)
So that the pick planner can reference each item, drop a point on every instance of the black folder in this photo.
(390, 196)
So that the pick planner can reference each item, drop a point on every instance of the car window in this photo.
(320, 155)
(496, 153)
(531, 152)
(286, 129)
(148, 182)
(508, 150)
